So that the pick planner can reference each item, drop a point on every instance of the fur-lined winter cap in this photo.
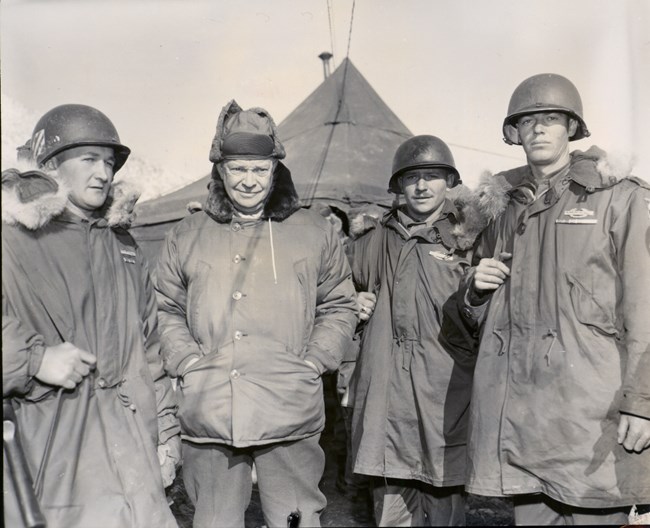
(245, 134)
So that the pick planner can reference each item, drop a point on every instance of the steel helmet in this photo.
(74, 125)
(421, 152)
(546, 92)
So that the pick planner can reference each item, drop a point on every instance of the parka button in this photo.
(237, 295)
(101, 382)
(132, 407)
(238, 335)
(234, 374)
(236, 226)
(236, 259)
(521, 229)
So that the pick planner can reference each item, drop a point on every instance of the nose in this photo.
(421, 184)
(538, 126)
(249, 180)
(103, 172)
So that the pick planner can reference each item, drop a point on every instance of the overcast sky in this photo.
(163, 69)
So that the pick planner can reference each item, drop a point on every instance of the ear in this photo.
(450, 180)
(573, 127)
(512, 135)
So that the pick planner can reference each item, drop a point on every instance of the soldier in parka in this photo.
(412, 384)
(560, 413)
(81, 362)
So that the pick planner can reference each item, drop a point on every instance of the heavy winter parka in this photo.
(252, 300)
(412, 384)
(565, 345)
(84, 282)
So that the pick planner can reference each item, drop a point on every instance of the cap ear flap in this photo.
(511, 135)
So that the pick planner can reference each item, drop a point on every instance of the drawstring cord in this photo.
(550, 333)
(275, 275)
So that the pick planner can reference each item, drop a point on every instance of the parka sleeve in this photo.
(22, 353)
(166, 402)
(631, 236)
(336, 308)
(178, 345)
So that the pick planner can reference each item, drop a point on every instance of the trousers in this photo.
(539, 509)
(400, 502)
(219, 483)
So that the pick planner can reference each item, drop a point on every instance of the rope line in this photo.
(321, 163)
(330, 11)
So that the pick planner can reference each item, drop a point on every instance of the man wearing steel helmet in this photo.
(255, 304)
(81, 357)
(560, 415)
(412, 385)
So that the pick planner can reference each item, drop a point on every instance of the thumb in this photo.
(87, 357)
(623, 426)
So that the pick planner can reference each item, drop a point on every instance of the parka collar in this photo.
(591, 169)
(281, 203)
(33, 198)
(459, 224)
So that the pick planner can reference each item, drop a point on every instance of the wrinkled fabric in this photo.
(85, 283)
(411, 386)
(565, 343)
(253, 300)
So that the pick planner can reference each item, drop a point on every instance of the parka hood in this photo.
(468, 219)
(32, 198)
(592, 169)
(281, 203)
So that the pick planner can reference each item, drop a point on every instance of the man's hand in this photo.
(65, 365)
(634, 432)
(169, 457)
(491, 273)
(366, 304)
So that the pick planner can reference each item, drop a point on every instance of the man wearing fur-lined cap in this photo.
(560, 415)
(80, 351)
(255, 304)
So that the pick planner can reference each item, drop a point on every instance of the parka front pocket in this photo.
(204, 398)
(307, 293)
(196, 289)
(588, 310)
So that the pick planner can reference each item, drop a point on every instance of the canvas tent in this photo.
(340, 143)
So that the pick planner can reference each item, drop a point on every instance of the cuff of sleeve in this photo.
(180, 370)
(319, 365)
(636, 404)
(168, 427)
(472, 312)
(35, 359)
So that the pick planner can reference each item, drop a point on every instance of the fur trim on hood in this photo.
(592, 169)
(471, 219)
(281, 203)
(468, 223)
(33, 198)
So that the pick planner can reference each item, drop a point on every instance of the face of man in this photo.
(248, 182)
(88, 172)
(424, 191)
(545, 137)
